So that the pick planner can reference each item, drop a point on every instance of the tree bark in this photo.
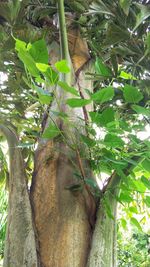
(103, 246)
(20, 245)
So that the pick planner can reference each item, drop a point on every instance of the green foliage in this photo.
(133, 249)
(103, 95)
(3, 219)
(131, 94)
(51, 131)
(118, 39)
(62, 66)
(76, 102)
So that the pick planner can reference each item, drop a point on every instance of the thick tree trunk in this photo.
(20, 245)
(103, 246)
(61, 216)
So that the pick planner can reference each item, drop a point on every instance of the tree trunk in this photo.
(64, 220)
(20, 245)
(66, 233)
(103, 247)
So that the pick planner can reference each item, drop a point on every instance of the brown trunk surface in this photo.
(61, 216)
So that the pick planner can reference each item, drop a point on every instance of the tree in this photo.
(64, 219)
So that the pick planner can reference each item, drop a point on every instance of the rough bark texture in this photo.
(103, 244)
(20, 245)
(102, 247)
(61, 216)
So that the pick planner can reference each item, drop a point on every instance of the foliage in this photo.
(133, 249)
(3, 200)
(119, 44)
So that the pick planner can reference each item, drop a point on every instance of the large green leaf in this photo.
(146, 165)
(51, 132)
(19, 45)
(38, 51)
(26, 58)
(113, 140)
(29, 62)
(132, 94)
(95, 117)
(103, 95)
(42, 67)
(133, 209)
(139, 186)
(62, 66)
(48, 72)
(77, 102)
(146, 182)
(141, 110)
(125, 197)
(136, 223)
(107, 116)
(147, 201)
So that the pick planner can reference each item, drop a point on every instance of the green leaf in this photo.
(133, 209)
(68, 88)
(62, 66)
(113, 141)
(48, 72)
(44, 96)
(19, 45)
(143, 15)
(102, 69)
(147, 201)
(28, 61)
(107, 116)
(141, 110)
(77, 102)
(132, 94)
(125, 5)
(95, 117)
(88, 141)
(38, 51)
(42, 67)
(103, 95)
(123, 223)
(146, 164)
(146, 182)
(126, 76)
(139, 186)
(125, 197)
(51, 132)
(136, 223)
